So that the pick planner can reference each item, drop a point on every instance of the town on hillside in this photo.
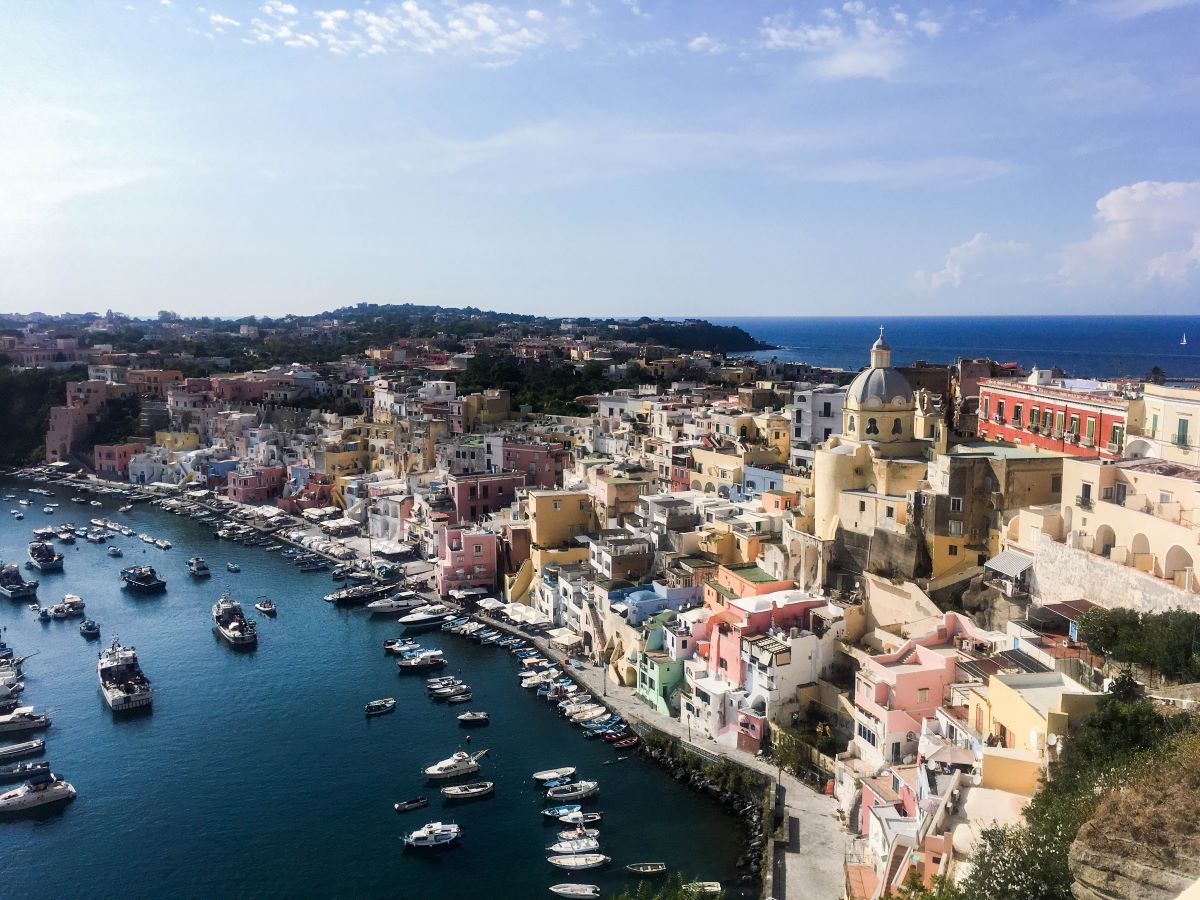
(910, 586)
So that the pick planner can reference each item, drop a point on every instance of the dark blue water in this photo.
(257, 775)
(1084, 346)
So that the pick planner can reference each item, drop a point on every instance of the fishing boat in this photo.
(565, 809)
(461, 763)
(143, 579)
(232, 567)
(37, 791)
(400, 645)
(58, 611)
(435, 834)
(552, 774)
(381, 707)
(646, 868)
(588, 713)
(575, 845)
(409, 805)
(21, 771)
(579, 861)
(26, 748)
(570, 834)
(23, 718)
(266, 606)
(580, 790)
(13, 586)
(74, 605)
(231, 623)
(122, 682)
(419, 661)
(89, 629)
(627, 743)
(316, 565)
(473, 717)
(44, 557)
(472, 791)
(579, 818)
(568, 889)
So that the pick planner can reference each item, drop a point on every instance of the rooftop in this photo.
(753, 573)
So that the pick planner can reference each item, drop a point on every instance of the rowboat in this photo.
(578, 861)
(647, 868)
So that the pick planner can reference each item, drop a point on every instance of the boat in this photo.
(646, 868)
(579, 818)
(13, 586)
(426, 617)
(461, 763)
(580, 790)
(198, 568)
(568, 889)
(44, 557)
(588, 713)
(419, 661)
(23, 718)
(143, 579)
(37, 791)
(95, 503)
(232, 567)
(317, 565)
(266, 606)
(128, 507)
(48, 510)
(408, 805)
(405, 601)
(626, 743)
(26, 748)
(89, 628)
(472, 791)
(571, 834)
(122, 682)
(473, 717)
(358, 594)
(702, 888)
(74, 605)
(579, 861)
(44, 615)
(381, 707)
(464, 697)
(435, 834)
(575, 845)
(21, 771)
(115, 551)
(565, 809)
(557, 782)
(400, 645)
(450, 690)
(162, 544)
(1183, 340)
(66, 535)
(59, 611)
(553, 774)
(232, 624)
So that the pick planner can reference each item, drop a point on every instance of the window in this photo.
(897, 428)
(954, 549)
(826, 410)
(923, 695)
(956, 528)
(557, 505)
(862, 505)
(1181, 433)
(866, 734)
(1058, 422)
(1091, 429)
(852, 423)
(478, 549)
(872, 426)
(1056, 484)
(956, 504)
(1073, 425)
(1016, 419)
(485, 490)
(890, 512)
(987, 406)
(1000, 409)
(1047, 418)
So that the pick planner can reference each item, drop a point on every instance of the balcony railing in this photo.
(1083, 502)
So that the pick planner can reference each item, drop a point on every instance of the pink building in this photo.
(113, 459)
(255, 484)
(542, 463)
(466, 558)
(71, 425)
(478, 494)
(747, 618)
(748, 580)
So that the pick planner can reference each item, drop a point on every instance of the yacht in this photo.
(17, 751)
(474, 717)
(577, 861)
(380, 707)
(44, 557)
(425, 617)
(266, 606)
(37, 791)
(568, 889)
(405, 601)
(198, 568)
(23, 718)
(461, 763)
(417, 661)
(232, 624)
(116, 551)
(22, 771)
(122, 682)
(74, 604)
(13, 586)
(143, 578)
(435, 834)
(358, 594)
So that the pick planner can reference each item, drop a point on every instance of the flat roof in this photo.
(753, 573)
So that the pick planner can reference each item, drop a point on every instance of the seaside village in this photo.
(880, 574)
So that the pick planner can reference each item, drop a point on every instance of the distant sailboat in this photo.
(1183, 340)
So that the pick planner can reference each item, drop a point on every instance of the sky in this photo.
(601, 157)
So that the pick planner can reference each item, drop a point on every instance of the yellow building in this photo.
(177, 440)
(1166, 424)
(556, 519)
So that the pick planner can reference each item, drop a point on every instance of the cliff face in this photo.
(1143, 842)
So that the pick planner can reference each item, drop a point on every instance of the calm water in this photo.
(256, 774)
(1100, 346)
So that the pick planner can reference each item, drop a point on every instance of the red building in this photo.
(255, 484)
(113, 459)
(466, 559)
(542, 462)
(480, 493)
(1081, 418)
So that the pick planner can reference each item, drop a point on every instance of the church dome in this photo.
(880, 386)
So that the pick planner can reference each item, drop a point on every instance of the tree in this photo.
(674, 889)
(1156, 376)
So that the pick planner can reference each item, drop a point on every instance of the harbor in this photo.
(267, 749)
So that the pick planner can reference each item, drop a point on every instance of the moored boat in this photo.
(143, 579)
(381, 707)
(400, 645)
(13, 586)
(115, 552)
(122, 682)
(426, 617)
(646, 868)
(25, 748)
(89, 628)
(435, 834)
(553, 774)
(37, 791)
(232, 624)
(23, 718)
(44, 557)
(421, 660)
(580, 790)
(22, 771)
(575, 845)
(565, 809)
(472, 791)
(409, 805)
(404, 601)
(198, 568)
(473, 717)
(461, 763)
(579, 861)
(568, 889)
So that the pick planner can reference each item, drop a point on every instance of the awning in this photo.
(490, 603)
(1010, 563)
(564, 637)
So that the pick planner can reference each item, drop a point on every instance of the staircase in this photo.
(597, 626)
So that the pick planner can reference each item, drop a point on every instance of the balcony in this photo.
(1083, 502)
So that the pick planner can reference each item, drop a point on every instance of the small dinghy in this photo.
(580, 790)
(575, 845)
(571, 834)
(473, 717)
(552, 774)
(578, 861)
(472, 791)
(381, 707)
(407, 805)
(626, 743)
(266, 606)
(649, 868)
(577, 817)
(575, 890)
(558, 812)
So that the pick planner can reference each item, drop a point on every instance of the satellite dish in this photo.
(1052, 740)
(911, 736)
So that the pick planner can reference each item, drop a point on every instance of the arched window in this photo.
(897, 428)
(872, 426)
(852, 423)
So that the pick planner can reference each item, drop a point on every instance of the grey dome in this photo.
(880, 343)
(885, 386)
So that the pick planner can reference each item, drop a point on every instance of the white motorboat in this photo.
(575, 890)
(461, 763)
(232, 624)
(579, 861)
(426, 617)
(115, 551)
(573, 834)
(579, 790)
(434, 834)
(474, 717)
(588, 712)
(266, 606)
(575, 845)
(553, 774)
(23, 718)
(74, 605)
(122, 682)
(380, 707)
(424, 659)
(702, 888)
(37, 791)
(405, 601)
(198, 568)
(470, 791)
(400, 645)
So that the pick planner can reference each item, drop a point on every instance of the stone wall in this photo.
(1061, 573)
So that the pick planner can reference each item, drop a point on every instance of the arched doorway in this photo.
(1177, 560)
(1105, 540)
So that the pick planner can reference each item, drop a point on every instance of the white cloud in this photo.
(857, 42)
(1145, 232)
(278, 9)
(1132, 9)
(535, 15)
(981, 257)
(702, 43)
(220, 20)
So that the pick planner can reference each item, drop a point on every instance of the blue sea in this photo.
(1083, 346)
(256, 773)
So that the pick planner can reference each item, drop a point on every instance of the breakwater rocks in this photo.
(735, 788)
